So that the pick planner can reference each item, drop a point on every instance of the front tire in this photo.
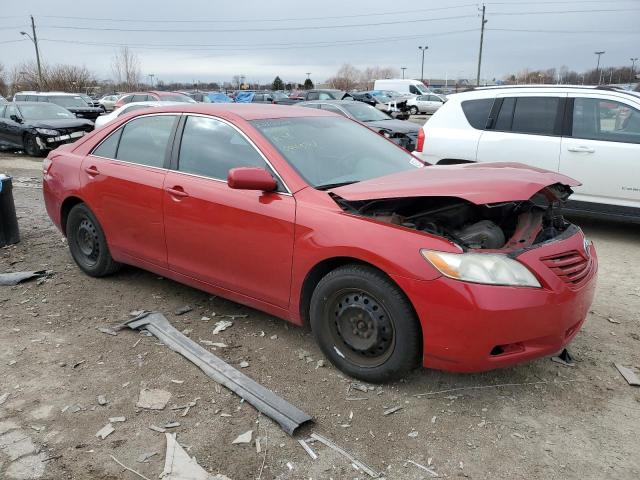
(365, 325)
(413, 110)
(87, 243)
(30, 145)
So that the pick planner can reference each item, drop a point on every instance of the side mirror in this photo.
(15, 118)
(251, 178)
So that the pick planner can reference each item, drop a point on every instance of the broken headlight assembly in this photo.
(487, 268)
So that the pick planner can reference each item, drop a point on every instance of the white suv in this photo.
(591, 134)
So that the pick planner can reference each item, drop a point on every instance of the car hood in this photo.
(59, 123)
(478, 183)
(399, 126)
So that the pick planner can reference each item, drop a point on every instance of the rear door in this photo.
(239, 240)
(602, 150)
(122, 181)
(10, 130)
(526, 128)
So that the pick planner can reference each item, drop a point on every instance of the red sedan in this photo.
(316, 219)
(153, 96)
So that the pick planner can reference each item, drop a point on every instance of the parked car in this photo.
(401, 132)
(315, 218)
(260, 97)
(591, 134)
(102, 120)
(108, 102)
(153, 96)
(402, 86)
(397, 107)
(72, 102)
(315, 94)
(200, 97)
(37, 127)
(90, 101)
(425, 104)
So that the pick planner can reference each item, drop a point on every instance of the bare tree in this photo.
(371, 74)
(125, 66)
(4, 88)
(347, 78)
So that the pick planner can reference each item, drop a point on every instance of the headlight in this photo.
(47, 131)
(489, 268)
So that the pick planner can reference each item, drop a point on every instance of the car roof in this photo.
(148, 103)
(246, 111)
(49, 93)
(336, 102)
(490, 91)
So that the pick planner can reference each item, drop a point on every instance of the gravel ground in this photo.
(541, 420)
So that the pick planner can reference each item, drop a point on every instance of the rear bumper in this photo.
(471, 327)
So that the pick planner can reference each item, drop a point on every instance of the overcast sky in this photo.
(197, 40)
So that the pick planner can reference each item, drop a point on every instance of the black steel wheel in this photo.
(364, 324)
(88, 244)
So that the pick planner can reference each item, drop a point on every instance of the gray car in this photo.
(401, 132)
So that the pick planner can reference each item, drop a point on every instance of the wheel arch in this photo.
(65, 208)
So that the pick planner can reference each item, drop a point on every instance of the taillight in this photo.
(420, 142)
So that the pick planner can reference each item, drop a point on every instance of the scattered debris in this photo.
(613, 320)
(153, 399)
(14, 278)
(303, 354)
(628, 374)
(359, 386)
(308, 449)
(77, 364)
(172, 425)
(221, 325)
(564, 358)
(422, 467)
(497, 385)
(105, 431)
(127, 468)
(144, 457)
(183, 310)
(179, 382)
(179, 466)
(267, 402)
(391, 410)
(102, 400)
(366, 469)
(157, 429)
(136, 313)
(517, 435)
(3, 398)
(319, 364)
(412, 434)
(107, 330)
(290, 466)
(273, 337)
(209, 343)
(244, 364)
(117, 419)
(244, 438)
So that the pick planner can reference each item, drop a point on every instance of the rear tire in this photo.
(414, 110)
(87, 243)
(365, 325)
(31, 147)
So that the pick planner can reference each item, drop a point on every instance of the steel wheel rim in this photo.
(88, 241)
(361, 328)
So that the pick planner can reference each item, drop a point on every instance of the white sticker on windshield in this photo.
(416, 163)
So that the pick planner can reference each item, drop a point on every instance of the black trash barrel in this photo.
(9, 232)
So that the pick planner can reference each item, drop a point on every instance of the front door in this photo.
(122, 181)
(10, 130)
(239, 240)
(603, 151)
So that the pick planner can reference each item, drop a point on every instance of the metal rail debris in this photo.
(267, 402)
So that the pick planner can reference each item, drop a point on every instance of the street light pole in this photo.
(404, 68)
(599, 54)
(424, 49)
(34, 39)
(633, 64)
(151, 75)
(481, 42)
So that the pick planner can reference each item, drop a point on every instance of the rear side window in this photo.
(313, 96)
(332, 108)
(109, 146)
(211, 148)
(505, 116)
(605, 120)
(19, 98)
(144, 140)
(139, 98)
(535, 115)
(477, 112)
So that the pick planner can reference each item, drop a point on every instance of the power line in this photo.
(146, 20)
(553, 2)
(271, 29)
(13, 41)
(567, 11)
(632, 32)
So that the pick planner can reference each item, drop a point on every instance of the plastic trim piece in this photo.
(267, 402)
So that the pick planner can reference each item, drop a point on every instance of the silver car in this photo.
(108, 101)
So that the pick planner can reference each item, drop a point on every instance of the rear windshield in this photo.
(477, 112)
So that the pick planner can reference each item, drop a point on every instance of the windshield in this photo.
(421, 88)
(365, 113)
(176, 97)
(44, 111)
(70, 101)
(332, 151)
(278, 95)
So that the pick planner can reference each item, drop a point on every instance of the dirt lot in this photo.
(549, 422)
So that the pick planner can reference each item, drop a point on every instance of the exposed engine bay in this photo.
(497, 226)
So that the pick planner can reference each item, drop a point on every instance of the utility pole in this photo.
(481, 40)
(151, 75)
(599, 54)
(404, 68)
(34, 39)
(633, 64)
(424, 49)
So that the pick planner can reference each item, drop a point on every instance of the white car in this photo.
(591, 134)
(402, 86)
(425, 103)
(102, 120)
(108, 101)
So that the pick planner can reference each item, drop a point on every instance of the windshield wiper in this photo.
(328, 186)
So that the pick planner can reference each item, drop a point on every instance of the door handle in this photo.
(581, 149)
(177, 192)
(92, 171)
